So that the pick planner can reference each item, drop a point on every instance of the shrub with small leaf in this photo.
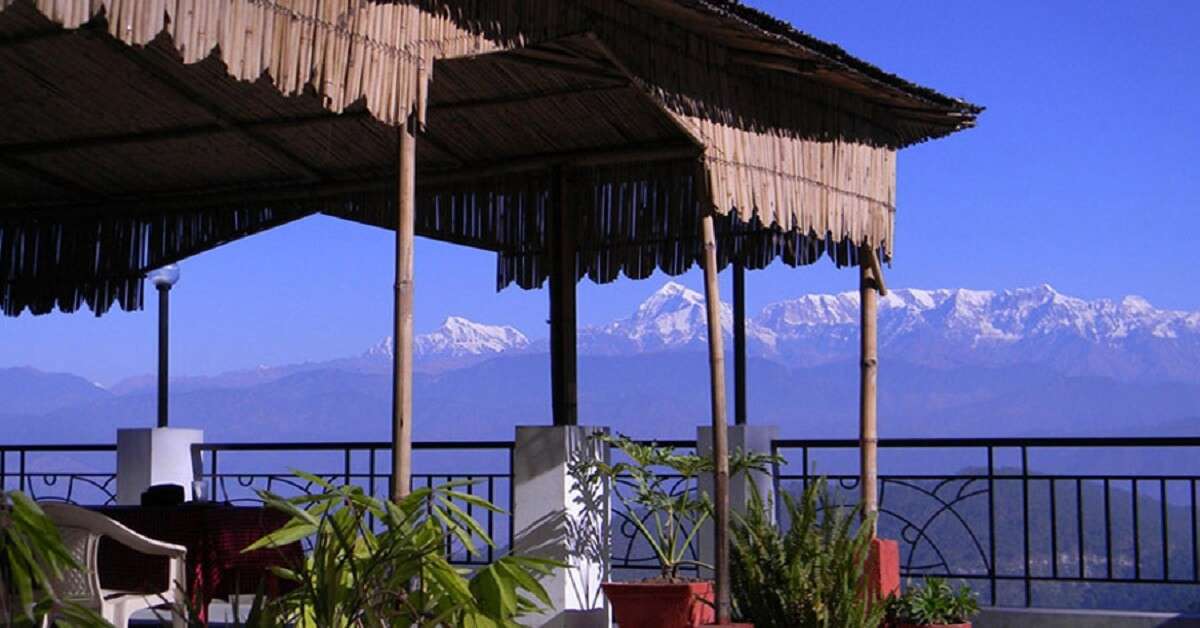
(807, 576)
(395, 573)
(934, 604)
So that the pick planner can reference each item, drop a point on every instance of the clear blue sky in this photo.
(1083, 173)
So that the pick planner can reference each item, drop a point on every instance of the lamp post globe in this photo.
(163, 278)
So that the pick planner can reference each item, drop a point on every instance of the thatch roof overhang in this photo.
(138, 133)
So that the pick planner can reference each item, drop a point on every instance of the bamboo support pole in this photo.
(720, 435)
(402, 336)
(871, 285)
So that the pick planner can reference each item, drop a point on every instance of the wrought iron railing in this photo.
(1026, 521)
(235, 472)
(1030, 521)
(70, 473)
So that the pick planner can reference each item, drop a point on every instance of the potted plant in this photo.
(667, 521)
(374, 563)
(933, 605)
(809, 573)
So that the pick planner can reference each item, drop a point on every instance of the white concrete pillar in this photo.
(750, 438)
(559, 516)
(159, 455)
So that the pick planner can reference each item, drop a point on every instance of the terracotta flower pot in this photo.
(661, 605)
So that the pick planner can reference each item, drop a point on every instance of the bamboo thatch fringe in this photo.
(101, 260)
(798, 185)
(802, 167)
(345, 50)
(634, 220)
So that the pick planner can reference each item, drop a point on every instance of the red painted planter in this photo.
(661, 605)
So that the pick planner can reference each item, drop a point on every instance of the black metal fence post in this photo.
(992, 568)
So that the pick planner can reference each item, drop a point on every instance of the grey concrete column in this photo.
(558, 514)
(755, 438)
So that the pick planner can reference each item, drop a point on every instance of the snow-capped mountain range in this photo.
(459, 337)
(1019, 362)
(1126, 339)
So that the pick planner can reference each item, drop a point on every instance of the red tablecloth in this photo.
(214, 536)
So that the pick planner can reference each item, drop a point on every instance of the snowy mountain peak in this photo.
(671, 317)
(381, 349)
(669, 298)
(1127, 338)
(459, 337)
(1036, 325)
(674, 317)
(674, 288)
(1135, 304)
(1043, 288)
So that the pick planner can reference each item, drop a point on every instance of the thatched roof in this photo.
(139, 132)
(865, 77)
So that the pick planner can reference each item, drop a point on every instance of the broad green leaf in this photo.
(291, 532)
(474, 500)
(517, 573)
(470, 523)
(497, 596)
(21, 579)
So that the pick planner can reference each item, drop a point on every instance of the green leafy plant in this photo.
(32, 558)
(934, 604)
(258, 615)
(355, 576)
(667, 520)
(810, 575)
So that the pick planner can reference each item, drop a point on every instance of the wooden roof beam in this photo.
(45, 176)
(485, 103)
(791, 65)
(870, 261)
(603, 49)
(443, 148)
(31, 36)
(265, 144)
(560, 63)
(630, 153)
(174, 133)
(246, 194)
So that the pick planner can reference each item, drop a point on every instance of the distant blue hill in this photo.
(652, 395)
(30, 391)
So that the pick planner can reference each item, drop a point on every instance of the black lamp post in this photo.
(163, 279)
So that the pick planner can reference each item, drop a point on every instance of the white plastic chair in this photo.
(81, 530)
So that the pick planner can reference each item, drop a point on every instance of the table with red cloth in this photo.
(214, 535)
